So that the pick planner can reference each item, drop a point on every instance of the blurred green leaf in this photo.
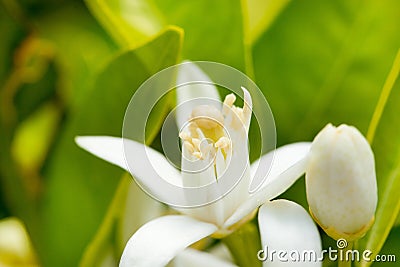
(11, 33)
(34, 76)
(14, 191)
(319, 62)
(81, 48)
(68, 30)
(131, 23)
(397, 223)
(78, 185)
(386, 145)
(391, 247)
(104, 238)
(35, 136)
(213, 29)
(261, 14)
(130, 208)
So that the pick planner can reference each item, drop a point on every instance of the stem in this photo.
(386, 90)
(244, 245)
(344, 261)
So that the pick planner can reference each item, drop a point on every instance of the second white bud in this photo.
(341, 182)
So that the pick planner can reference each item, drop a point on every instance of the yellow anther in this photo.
(207, 117)
(189, 147)
(229, 100)
(185, 136)
(197, 155)
(238, 111)
(196, 143)
(223, 142)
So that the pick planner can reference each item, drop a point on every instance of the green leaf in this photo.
(249, 236)
(131, 23)
(386, 146)
(78, 185)
(130, 208)
(319, 62)
(81, 48)
(11, 34)
(35, 76)
(35, 135)
(261, 14)
(104, 237)
(219, 37)
(214, 30)
(19, 186)
(397, 223)
(390, 249)
(14, 189)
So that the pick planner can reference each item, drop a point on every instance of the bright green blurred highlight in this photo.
(131, 23)
(261, 14)
(31, 142)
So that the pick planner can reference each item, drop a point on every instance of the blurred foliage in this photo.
(15, 246)
(326, 62)
(69, 68)
(391, 247)
(385, 143)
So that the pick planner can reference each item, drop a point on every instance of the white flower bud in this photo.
(341, 182)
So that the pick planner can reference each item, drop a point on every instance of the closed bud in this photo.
(341, 182)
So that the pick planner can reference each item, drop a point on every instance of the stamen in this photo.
(185, 136)
(229, 100)
(207, 123)
(196, 143)
(207, 117)
(228, 103)
(247, 106)
(197, 155)
(223, 142)
(238, 111)
(200, 133)
(189, 147)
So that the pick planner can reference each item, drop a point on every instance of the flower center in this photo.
(206, 133)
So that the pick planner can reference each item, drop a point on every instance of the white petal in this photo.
(283, 158)
(139, 209)
(158, 241)
(196, 172)
(221, 251)
(286, 226)
(105, 147)
(195, 258)
(247, 107)
(212, 213)
(288, 165)
(205, 92)
(218, 211)
(220, 163)
(112, 150)
(239, 193)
